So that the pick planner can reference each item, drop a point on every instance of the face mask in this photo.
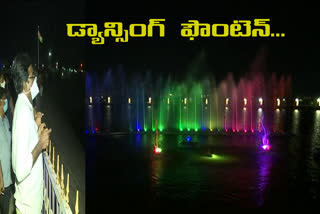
(34, 89)
(3, 84)
(5, 107)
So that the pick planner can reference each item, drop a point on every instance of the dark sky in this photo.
(296, 54)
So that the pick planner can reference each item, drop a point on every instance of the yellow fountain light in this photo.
(149, 100)
(185, 101)
(260, 101)
(90, 100)
(168, 100)
(278, 101)
(227, 101)
(245, 101)
(109, 100)
(129, 100)
(297, 102)
(206, 101)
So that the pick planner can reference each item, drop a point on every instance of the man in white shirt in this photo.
(29, 139)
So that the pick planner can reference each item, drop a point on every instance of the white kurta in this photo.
(29, 180)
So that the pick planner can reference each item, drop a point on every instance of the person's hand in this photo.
(41, 128)
(1, 186)
(44, 137)
(38, 118)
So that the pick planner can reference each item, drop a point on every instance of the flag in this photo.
(40, 37)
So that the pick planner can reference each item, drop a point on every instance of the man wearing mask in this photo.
(29, 139)
(5, 155)
(4, 82)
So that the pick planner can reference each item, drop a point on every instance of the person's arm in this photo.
(1, 180)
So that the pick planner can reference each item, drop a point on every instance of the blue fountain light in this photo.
(188, 139)
(86, 131)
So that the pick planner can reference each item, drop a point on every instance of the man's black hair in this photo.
(19, 70)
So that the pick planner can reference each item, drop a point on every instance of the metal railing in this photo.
(55, 195)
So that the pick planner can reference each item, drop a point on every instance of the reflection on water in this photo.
(217, 171)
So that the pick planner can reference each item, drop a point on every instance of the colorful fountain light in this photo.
(109, 100)
(90, 100)
(265, 141)
(260, 101)
(278, 101)
(129, 100)
(157, 150)
(297, 102)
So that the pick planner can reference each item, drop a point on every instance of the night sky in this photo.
(295, 54)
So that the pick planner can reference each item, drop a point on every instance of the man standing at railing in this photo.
(5, 156)
(29, 139)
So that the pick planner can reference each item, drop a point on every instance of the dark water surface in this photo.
(122, 170)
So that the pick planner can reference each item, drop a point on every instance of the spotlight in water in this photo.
(252, 130)
(211, 129)
(185, 101)
(129, 100)
(90, 100)
(168, 100)
(245, 131)
(86, 131)
(297, 102)
(245, 101)
(278, 101)
(266, 147)
(206, 101)
(149, 100)
(244, 108)
(157, 150)
(188, 139)
(260, 109)
(226, 108)
(227, 101)
(109, 100)
(260, 101)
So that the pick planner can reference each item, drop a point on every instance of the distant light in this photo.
(245, 101)
(109, 100)
(168, 100)
(226, 108)
(214, 156)
(86, 131)
(206, 101)
(318, 100)
(62, 74)
(97, 129)
(260, 109)
(211, 129)
(260, 101)
(277, 110)
(185, 101)
(50, 53)
(283, 100)
(90, 100)
(129, 100)
(81, 65)
(278, 101)
(149, 100)
(244, 108)
(227, 101)
(297, 101)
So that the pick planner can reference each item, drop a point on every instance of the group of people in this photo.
(23, 137)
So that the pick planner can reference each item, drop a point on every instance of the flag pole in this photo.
(38, 46)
